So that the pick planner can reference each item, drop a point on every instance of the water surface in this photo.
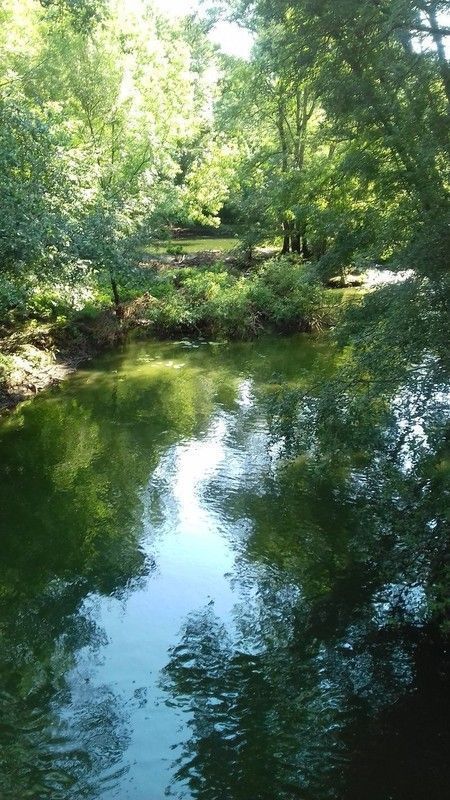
(179, 620)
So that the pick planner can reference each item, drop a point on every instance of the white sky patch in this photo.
(231, 38)
(423, 43)
(177, 8)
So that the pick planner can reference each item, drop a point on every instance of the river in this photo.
(176, 619)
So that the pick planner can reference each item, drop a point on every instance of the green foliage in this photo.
(218, 303)
(284, 294)
(373, 188)
(83, 15)
(113, 127)
(32, 225)
(105, 134)
(360, 169)
(384, 419)
(13, 299)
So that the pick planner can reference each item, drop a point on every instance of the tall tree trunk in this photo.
(306, 252)
(284, 163)
(320, 248)
(286, 239)
(296, 242)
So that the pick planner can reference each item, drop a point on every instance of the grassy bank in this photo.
(194, 244)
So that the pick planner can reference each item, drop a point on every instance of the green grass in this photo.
(345, 295)
(198, 245)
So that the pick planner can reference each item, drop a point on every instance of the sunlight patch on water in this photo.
(374, 278)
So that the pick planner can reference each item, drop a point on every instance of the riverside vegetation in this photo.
(324, 154)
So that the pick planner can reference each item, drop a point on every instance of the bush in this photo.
(286, 297)
(13, 299)
(215, 302)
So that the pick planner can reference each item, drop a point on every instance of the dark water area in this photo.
(181, 617)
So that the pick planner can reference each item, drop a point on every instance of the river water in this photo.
(176, 619)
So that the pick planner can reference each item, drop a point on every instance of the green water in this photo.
(177, 619)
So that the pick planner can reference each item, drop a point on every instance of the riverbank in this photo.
(211, 302)
(38, 356)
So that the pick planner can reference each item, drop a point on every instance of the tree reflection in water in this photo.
(330, 659)
(327, 664)
(47, 750)
(274, 720)
(72, 472)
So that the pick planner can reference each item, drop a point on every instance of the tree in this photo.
(122, 96)
(269, 112)
(381, 97)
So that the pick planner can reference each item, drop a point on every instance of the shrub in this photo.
(216, 302)
(13, 299)
(286, 297)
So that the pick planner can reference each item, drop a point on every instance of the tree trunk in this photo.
(306, 252)
(115, 293)
(320, 249)
(296, 242)
(286, 244)
(440, 48)
(284, 165)
(286, 239)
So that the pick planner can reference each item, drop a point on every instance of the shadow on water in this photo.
(179, 617)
